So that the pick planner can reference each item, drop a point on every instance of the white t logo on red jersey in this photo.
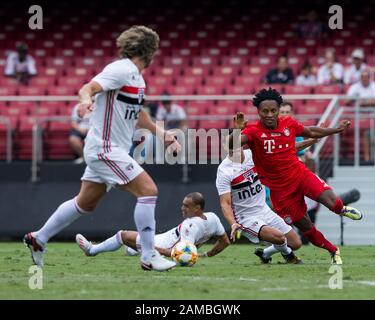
(269, 145)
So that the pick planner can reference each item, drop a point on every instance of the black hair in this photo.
(197, 199)
(267, 94)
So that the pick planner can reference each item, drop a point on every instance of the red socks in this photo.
(317, 239)
(337, 208)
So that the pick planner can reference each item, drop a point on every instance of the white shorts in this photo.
(165, 240)
(251, 224)
(112, 168)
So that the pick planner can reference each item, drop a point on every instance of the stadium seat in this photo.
(327, 89)
(213, 124)
(294, 89)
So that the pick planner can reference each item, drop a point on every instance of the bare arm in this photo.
(318, 132)
(85, 97)
(226, 208)
(145, 122)
(305, 144)
(221, 243)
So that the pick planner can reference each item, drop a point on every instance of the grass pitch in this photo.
(234, 274)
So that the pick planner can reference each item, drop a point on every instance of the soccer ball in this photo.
(185, 254)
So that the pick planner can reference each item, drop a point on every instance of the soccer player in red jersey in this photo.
(272, 141)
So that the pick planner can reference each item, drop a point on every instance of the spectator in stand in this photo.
(311, 28)
(365, 90)
(331, 72)
(306, 78)
(172, 114)
(80, 128)
(353, 72)
(20, 64)
(281, 74)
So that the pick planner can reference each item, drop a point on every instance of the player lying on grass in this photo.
(198, 227)
(272, 142)
(243, 203)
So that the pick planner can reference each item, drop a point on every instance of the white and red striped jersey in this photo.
(242, 181)
(117, 107)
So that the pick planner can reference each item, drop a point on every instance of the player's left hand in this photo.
(344, 124)
(235, 226)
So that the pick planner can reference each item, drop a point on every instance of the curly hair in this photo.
(264, 94)
(138, 41)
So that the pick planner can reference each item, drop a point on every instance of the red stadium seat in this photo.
(210, 90)
(8, 91)
(238, 89)
(314, 107)
(222, 109)
(327, 89)
(62, 91)
(76, 82)
(295, 89)
(31, 91)
(213, 124)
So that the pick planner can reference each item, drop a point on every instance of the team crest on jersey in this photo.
(255, 224)
(288, 219)
(286, 132)
(249, 176)
(141, 94)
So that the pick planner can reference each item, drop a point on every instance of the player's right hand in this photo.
(235, 226)
(84, 108)
(344, 124)
(239, 121)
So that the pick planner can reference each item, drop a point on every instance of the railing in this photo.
(332, 114)
(335, 112)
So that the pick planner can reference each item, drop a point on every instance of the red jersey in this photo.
(274, 152)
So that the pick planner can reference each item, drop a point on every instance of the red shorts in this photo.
(290, 204)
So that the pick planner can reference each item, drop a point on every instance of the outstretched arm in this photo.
(145, 122)
(305, 144)
(318, 132)
(221, 243)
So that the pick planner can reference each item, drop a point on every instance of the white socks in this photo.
(283, 248)
(144, 217)
(64, 215)
(111, 244)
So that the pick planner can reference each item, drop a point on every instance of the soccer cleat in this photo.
(351, 213)
(292, 258)
(36, 248)
(336, 257)
(259, 252)
(84, 244)
(157, 263)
